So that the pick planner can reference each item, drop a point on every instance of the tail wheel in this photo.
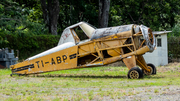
(135, 73)
(153, 67)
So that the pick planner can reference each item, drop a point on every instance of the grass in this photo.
(81, 84)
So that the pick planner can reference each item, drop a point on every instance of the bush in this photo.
(176, 30)
(174, 47)
(28, 45)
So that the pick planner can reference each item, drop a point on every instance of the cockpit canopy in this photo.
(84, 30)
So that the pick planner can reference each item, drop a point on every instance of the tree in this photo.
(74, 11)
(14, 20)
(158, 15)
(27, 3)
(71, 12)
(104, 6)
(12, 17)
(51, 10)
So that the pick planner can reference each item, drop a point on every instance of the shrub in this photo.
(28, 45)
(174, 47)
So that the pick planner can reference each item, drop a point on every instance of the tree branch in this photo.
(132, 18)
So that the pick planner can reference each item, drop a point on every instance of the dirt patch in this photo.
(173, 67)
(168, 93)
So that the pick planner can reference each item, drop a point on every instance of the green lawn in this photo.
(82, 84)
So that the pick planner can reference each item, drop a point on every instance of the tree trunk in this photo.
(45, 11)
(51, 10)
(104, 6)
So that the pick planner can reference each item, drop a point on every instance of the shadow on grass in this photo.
(153, 77)
(78, 76)
(90, 76)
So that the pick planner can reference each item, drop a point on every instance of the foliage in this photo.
(28, 3)
(176, 28)
(14, 20)
(24, 18)
(28, 45)
(174, 47)
(72, 12)
(158, 15)
(174, 40)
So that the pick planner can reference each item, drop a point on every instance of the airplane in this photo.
(95, 47)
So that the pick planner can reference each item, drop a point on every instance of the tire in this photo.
(148, 73)
(135, 73)
(153, 67)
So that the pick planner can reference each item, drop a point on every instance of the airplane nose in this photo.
(149, 37)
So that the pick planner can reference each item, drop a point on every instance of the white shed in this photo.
(159, 56)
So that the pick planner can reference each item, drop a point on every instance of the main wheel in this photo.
(135, 73)
(153, 67)
(148, 73)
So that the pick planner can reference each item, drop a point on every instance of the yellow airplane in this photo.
(102, 46)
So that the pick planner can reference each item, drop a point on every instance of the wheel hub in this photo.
(134, 74)
(148, 73)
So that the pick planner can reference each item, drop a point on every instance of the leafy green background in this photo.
(22, 25)
(28, 45)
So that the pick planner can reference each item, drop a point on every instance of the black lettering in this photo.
(64, 57)
(52, 61)
(37, 63)
(72, 56)
(58, 58)
(42, 63)
(46, 62)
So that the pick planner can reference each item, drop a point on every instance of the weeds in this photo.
(156, 91)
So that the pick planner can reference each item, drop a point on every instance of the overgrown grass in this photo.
(81, 84)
